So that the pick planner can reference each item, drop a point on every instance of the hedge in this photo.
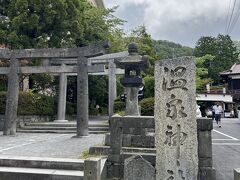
(147, 106)
(149, 86)
(31, 104)
(37, 104)
(119, 106)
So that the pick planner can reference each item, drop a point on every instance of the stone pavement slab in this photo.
(47, 145)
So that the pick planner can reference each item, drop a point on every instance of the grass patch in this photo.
(86, 154)
(121, 113)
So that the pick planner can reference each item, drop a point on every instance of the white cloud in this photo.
(178, 20)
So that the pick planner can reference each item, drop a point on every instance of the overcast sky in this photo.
(182, 21)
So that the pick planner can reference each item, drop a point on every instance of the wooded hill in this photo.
(166, 49)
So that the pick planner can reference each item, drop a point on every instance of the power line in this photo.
(228, 14)
(235, 19)
(230, 20)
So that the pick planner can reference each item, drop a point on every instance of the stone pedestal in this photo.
(132, 108)
(175, 119)
(206, 171)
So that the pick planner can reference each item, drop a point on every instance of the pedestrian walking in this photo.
(218, 112)
(213, 113)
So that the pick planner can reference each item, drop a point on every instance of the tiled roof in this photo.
(235, 69)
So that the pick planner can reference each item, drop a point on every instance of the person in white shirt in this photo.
(218, 112)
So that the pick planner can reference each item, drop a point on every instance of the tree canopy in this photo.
(224, 52)
(54, 23)
(71, 23)
(202, 75)
(57, 23)
(166, 49)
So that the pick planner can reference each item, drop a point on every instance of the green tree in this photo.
(205, 45)
(144, 41)
(166, 49)
(98, 91)
(149, 86)
(57, 23)
(224, 52)
(237, 44)
(202, 76)
(145, 45)
(54, 23)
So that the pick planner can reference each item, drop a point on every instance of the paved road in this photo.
(47, 145)
(226, 148)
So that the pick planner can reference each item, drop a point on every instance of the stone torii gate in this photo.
(111, 72)
(82, 69)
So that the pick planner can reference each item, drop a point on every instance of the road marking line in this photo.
(233, 138)
(12, 147)
(227, 144)
(32, 142)
(224, 139)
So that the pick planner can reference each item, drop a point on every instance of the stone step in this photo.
(105, 150)
(42, 163)
(16, 173)
(62, 128)
(57, 131)
(70, 124)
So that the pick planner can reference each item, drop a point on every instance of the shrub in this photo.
(30, 104)
(71, 108)
(119, 106)
(26, 104)
(44, 105)
(149, 86)
(147, 106)
(2, 102)
(93, 112)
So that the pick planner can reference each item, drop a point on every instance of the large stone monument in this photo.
(175, 120)
(132, 81)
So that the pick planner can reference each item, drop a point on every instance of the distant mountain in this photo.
(166, 49)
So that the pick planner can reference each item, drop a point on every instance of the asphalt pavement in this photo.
(47, 145)
(226, 148)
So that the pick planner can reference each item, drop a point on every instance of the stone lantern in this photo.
(132, 81)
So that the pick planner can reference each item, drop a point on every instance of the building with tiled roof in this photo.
(231, 79)
(228, 96)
